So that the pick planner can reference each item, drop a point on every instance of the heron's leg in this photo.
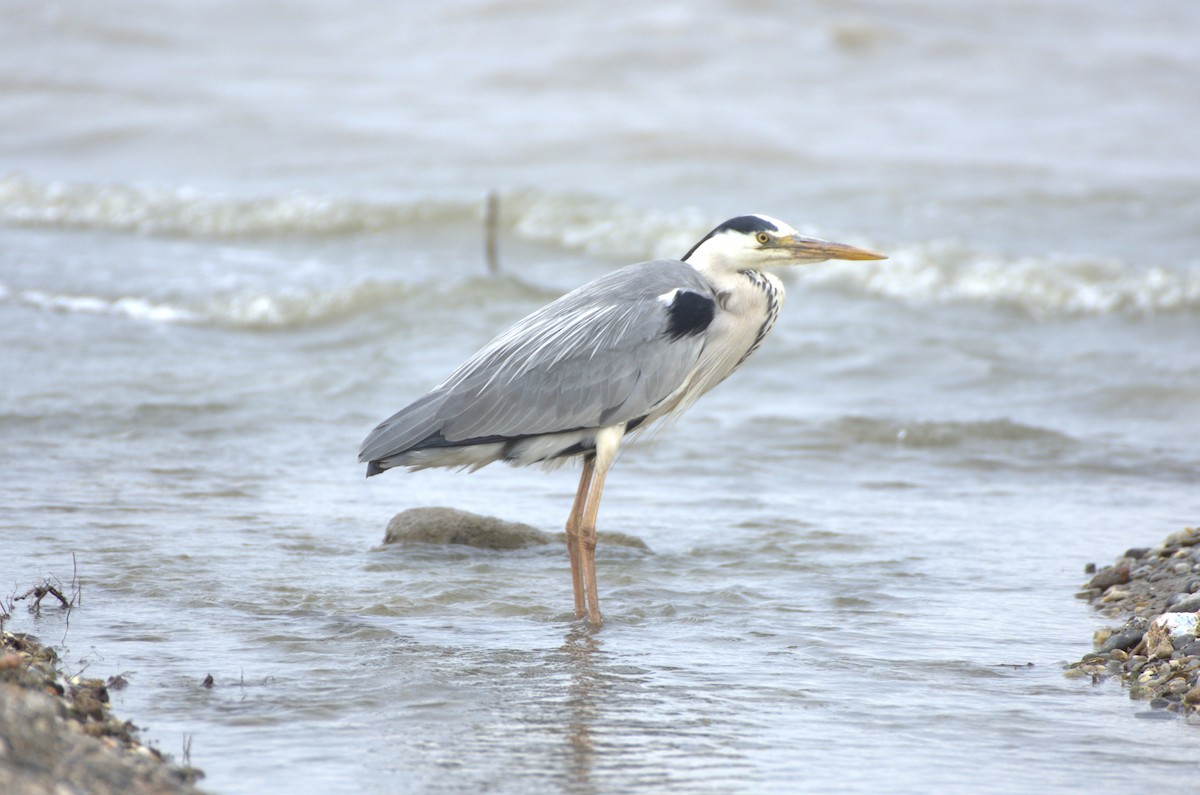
(588, 541)
(573, 523)
(607, 442)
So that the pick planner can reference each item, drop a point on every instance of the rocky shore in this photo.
(1155, 652)
(58, 735)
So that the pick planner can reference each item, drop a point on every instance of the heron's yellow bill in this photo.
(814, 250)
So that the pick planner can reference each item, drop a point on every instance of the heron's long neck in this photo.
(772, 292)
(753, 297)
(744, 287)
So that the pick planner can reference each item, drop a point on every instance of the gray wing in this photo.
(605, 353)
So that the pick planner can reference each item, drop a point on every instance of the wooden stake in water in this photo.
(491, 215)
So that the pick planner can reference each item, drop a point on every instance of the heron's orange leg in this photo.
(573, 524)
(588, 540)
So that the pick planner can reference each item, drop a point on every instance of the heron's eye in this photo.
(763, 238)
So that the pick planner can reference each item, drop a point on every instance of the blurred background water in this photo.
(236, 235)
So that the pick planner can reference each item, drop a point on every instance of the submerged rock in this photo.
(451, 526)
(613, 538)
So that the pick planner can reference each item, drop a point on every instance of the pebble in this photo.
(1122, 640)
(1110, 576)
(1189, 604)
(1184, 538)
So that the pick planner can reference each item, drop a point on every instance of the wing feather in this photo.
(598, 356)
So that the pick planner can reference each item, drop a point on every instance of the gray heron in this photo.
(607, 359)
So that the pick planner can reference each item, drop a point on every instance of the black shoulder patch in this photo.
(689, 314)
(746, 224)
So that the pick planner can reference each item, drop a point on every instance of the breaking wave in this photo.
(249, 310)
(947, 433)
(1041, 286)
(289, 307)
(190, 212)
(921, 272)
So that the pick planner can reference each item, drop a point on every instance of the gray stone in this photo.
(1184, 538)
(1189, 605)
(1179, 641)
(452, 526)
(1121, 640)
(1176, 598)
(435, 525)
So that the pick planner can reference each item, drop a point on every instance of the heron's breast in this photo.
(770, 297)
(748, 309)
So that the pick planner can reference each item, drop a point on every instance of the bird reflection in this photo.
(584, 694)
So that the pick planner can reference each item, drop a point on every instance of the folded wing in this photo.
(604, 354)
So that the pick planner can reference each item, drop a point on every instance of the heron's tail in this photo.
(401, 432)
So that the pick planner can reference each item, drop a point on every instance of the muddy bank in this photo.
(1154, 651)
(58, 735)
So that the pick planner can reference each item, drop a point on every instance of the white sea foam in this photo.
(1041, 286)
(290, 307)
(299, 306)
(189, 212)
(937, 272)
(128, 306)
(604, 228)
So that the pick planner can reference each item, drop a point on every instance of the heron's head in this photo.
(759, 241)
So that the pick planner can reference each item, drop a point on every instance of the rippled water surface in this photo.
(234, 239)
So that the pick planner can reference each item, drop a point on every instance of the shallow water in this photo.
(233, 241)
